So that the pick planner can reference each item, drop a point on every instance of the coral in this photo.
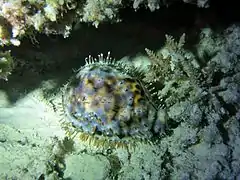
(199, 3)
(156, 4)
(107, 100)
(24, 17)
(6, 64)
(96, 11)
(58, 16)
(5, 34)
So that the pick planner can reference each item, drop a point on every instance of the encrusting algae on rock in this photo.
(106, 104)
